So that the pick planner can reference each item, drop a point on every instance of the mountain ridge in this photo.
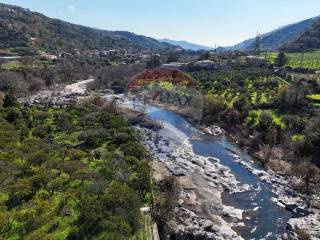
(275, 39)
(307, 41)
(21, 27)
(185, 44)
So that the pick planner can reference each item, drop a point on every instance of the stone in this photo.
(180, 202)
(207, 225)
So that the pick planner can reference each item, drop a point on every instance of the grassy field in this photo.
(308, 59)
(16, 65)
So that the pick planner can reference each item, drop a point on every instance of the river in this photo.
(263, 218)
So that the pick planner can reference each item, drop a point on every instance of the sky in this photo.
(206, 22)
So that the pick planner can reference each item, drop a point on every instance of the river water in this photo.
(263, 218)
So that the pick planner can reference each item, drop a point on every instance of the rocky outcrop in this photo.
(69, 94)
(212, 130)
(309, 225)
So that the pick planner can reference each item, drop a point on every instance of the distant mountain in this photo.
(275, 39)
(308, 41)
(22, 28)
(185, 45)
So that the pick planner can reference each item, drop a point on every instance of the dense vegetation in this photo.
(277, 111)
(21, 28)
(116, 77)
(308, 41)
(70, 173)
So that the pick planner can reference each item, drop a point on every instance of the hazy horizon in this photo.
(180, 20)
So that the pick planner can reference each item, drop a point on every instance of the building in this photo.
(205, 64)
(174, 65)
(255, 60)
(48, 57)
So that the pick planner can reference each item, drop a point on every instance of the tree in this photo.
(212, 106)
(163, 210)
(1, 63)
(14, 115)
(265, 120)
(10, 101)
(241, 104)
(26, 61)
(173, 57)
(307, 171)
(154, 62)
(281, 60)
(205, 56)
(2, 96)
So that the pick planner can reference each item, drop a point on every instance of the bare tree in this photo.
(2, 61)
(26, 61)
(308, 172)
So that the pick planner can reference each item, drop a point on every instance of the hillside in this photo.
(21, 28)
(308, 41)
(275, 39)
(186, 45)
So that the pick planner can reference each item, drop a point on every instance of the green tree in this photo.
(265, 120)
(153, 62)
(281, 60)
(10, 101)
(173, 57)
(14, 115)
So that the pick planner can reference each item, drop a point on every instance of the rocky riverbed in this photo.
(304, 218)
(199, 210)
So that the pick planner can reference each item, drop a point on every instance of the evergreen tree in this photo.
(281, 60)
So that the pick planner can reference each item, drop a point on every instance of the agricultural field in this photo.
(306, 60)
(259, 87)
(256, 99)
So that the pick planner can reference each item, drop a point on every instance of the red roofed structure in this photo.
(161, 75)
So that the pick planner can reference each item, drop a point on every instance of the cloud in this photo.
(71, 8)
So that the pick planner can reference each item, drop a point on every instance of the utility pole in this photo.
(257, 43)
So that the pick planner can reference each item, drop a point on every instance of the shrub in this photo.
(10, 101)
(2, 96)
(212, 106)
(265, 120)
(14, 115)
(42, 131)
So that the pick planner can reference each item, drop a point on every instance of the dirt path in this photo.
(78, 87)
(58, 92)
